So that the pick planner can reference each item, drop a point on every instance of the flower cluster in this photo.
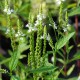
(47, 37)
(19, 34)
(54, 25)
(8, 31)
(65, 29)
(31, 28)
(58, 2)
(40, 17)
(8, 11)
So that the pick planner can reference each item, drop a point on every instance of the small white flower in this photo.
(22, 34)
(42, 37)
(52, 59)
(5, 10)
(48, 37)
(78, 78)
(27, 25)
(55, 27)
(43, 16)
(16, 35)
(12, 10)
(65, 29)
(50, 25)
(8, 11)
(29, 30)
(34, 29)
(37, 23)
(68, 25)
(7, 31)
(40, 16)
(58, 2)
(21, 38)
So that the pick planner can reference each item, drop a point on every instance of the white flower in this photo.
(68, 25)
(31, 28)
(28, 25)
(40, 16)
(23, 35)
(50, 25)
(78, 78)
(12, 10)
(5, 10)
(65, 29)
(47, 37)
(7, 31)
(43, 16)
(8, 11)
(52, 59)
(37, 23)
(18, 34)
(21, 38)
(42, 37)
(58, 2)
(55, 27)
(34, 29)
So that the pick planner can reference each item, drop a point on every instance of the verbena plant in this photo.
(35, 39)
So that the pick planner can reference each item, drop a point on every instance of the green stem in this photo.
(54, 59)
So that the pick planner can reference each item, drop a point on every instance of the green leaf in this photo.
(25, 6)
(2, 28)
(14, 78)
(61, 42)
(70, 70)
(23, 47)
(4, 61)
(74, 11)
(44, 69)
(14, 60)
(60, 60)
(74, 78)
(77, 55)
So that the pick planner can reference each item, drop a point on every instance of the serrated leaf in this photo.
(61, 42)
(14, 60)
(43, 69)
(70, 70)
